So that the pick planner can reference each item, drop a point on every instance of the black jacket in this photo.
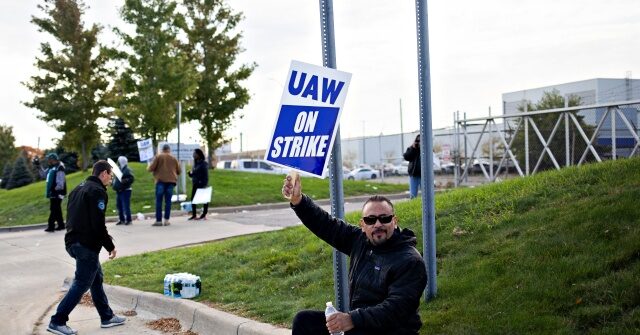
(200, 174)
(412, 155)
(85, 216)
(126, 182)
(385, 281)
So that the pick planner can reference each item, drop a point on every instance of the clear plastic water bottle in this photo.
(331, 310)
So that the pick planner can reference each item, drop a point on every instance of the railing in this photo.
(595, 132)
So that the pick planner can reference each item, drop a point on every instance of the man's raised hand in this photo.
(292, 188)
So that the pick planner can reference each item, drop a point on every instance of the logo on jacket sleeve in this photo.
(101, 205)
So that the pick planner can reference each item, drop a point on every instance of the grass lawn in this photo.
(555, 253)
(27, 205)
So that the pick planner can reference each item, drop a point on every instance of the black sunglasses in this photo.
(372, 219)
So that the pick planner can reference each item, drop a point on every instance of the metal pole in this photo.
(614, 153)
(456, 157)
(179, 116)
(490, 147)
(426, 149)
(526, 141)
(364, 147)
(340, 278)
(465, 144)
(567, 156)
(401, 130)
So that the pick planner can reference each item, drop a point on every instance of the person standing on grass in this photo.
(56, 190)
(200, 179)
(387, 275)
(412, 155)
(123, 192)
(165, 169)
(86, 235)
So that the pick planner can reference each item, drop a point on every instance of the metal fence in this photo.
(533, 141)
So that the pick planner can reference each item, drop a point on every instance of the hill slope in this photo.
(556, 253)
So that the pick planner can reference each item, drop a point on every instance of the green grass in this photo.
(556, 253)
(27, 205)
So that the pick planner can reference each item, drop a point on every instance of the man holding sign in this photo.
(386, 276)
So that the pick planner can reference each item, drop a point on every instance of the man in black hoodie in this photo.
(86, 235)
(386, 273)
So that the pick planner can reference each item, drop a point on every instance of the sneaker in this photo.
(127, 223)
(63, 227)
(166, 222)
(119, 223)
(192, 218)
(61, 330)
(114, 321)
(157, 224)
(50, 230)
(202, 217)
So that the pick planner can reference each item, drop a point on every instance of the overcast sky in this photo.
(478, 50)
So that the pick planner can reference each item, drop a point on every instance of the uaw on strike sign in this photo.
(309, 115)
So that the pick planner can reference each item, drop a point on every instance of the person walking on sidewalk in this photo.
(56, 190)
(123, 192)
(387, 275)
(412, 155)
(165, 169)
(86, 235)
(200, 179)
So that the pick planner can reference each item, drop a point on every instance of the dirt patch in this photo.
(169, 325)
(129, 313)
(86, 300)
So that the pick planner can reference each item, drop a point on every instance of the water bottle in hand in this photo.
(331, 310)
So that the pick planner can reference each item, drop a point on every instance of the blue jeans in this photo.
(163, 191)
(414, 186)
(88, 276)
(123, 202)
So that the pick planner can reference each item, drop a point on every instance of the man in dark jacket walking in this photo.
(386, 273)
(412, 155)
(86, 235)
(56, 190)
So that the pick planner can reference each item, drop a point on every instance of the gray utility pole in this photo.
(340, 280)
(401, 130)
(426, 149)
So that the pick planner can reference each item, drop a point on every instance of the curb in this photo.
(221, 210)
(192, 315)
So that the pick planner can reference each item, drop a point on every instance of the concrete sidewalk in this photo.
(141, 308)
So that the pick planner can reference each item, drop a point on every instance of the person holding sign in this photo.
(199, 175)
(387, 274)
(122, 187)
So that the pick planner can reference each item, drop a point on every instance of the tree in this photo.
(122, 142)
(7, 144)
(21, 173)
(158, 72)
(6, 174)
(545, 123)
(214, 44)
(70, 91)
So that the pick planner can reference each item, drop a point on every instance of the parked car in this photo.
(363, 174)
(345, 172)
(401, 169)
(251, 165)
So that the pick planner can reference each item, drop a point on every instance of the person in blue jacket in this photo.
(199, 175)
